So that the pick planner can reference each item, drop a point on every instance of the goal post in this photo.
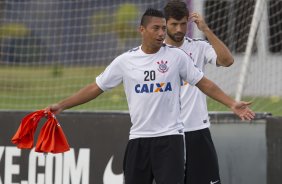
(252, 31)
(257, 17)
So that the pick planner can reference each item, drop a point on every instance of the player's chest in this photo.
(155, 71)
(159, 76)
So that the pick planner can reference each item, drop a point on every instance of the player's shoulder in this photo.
(175, 52)
(168, 46)
(172, 48)
(125, 56)
(133, 50)
(195, 41)
(129, 52)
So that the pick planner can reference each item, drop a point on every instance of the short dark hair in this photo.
(176, 9)
(150, 12)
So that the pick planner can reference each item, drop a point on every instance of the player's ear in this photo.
(141, 29)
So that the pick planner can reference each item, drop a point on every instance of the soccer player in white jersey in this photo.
(201, 158)
(151, 75)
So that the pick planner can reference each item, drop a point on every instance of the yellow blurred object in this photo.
(13, 30)
(115, 98)
(275, 99)
(126, 13)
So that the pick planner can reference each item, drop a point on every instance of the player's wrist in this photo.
(59, 107)
(232, 105)
(206, 30)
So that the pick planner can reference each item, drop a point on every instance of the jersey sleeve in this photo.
(188, 70)
(209, 53)
(111, 77)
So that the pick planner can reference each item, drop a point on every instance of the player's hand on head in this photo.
(199, 20)
(242, 110)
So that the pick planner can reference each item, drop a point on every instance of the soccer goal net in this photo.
(50, 49)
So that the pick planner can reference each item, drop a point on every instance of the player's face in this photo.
(153, 34)
(176, 29)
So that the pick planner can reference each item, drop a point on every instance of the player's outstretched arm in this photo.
(241, 108)
(224, 56)
(84, 95)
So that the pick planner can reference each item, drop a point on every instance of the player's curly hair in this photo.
(150, 12)
(176, 9)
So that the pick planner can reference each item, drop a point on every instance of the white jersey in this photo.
(152, 87)
(194, 112)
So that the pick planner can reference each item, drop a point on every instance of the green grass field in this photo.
(33, 87)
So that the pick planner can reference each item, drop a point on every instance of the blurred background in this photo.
(50, 49)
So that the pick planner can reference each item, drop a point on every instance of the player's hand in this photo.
(242, 110)
(55, 108)
(199, 20)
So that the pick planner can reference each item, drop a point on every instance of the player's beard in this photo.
(177, 37)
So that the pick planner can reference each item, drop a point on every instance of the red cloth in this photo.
(51, 137)
(25, 133)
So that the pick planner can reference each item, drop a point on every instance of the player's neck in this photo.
(169, 41)
(149, 50)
